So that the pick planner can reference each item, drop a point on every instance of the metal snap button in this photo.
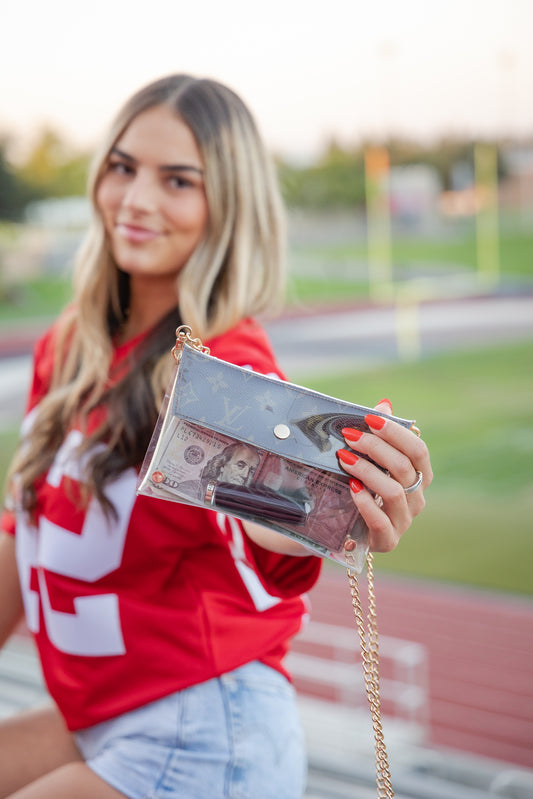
(282, 431)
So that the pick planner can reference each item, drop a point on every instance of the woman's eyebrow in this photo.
(181, 168)
(163, 167)
(122, 154)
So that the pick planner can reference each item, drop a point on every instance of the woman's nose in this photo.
(141, 193)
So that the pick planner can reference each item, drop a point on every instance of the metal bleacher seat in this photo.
(338, 728)
(21, 682)
(325, 664)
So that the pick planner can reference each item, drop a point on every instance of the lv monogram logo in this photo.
(186, 396)
(231, 414)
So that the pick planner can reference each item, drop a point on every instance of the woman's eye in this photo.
(179, 182)
(120, 168)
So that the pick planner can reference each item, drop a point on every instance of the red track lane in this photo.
(480, 652)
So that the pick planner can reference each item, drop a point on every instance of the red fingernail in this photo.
(356, 485)
(389, 403)
(349, 458)
(351, 433)
(375, 422)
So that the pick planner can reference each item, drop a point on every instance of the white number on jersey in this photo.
(94, 628)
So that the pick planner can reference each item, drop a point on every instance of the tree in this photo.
(14, 192)
(336, 180)
(53, 168)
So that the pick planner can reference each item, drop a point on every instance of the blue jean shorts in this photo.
(234, 737)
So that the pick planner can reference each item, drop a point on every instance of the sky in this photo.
(310, 71)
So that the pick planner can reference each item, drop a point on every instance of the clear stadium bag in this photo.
(264, 450)
(257, 448)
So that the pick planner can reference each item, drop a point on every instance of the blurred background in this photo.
(403, 138)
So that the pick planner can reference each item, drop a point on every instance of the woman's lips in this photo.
(136, 234)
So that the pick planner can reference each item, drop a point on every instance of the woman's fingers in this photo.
(387, 520)
(393, 447)
(407, 446)
(385, 406)
(384, 532)
(385, 463)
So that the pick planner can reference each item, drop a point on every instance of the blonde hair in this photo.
(237, 270)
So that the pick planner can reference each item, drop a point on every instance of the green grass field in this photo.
(475, 410)
(457, 250)
(412, 255)
(40, 297)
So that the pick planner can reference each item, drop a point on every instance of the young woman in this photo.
(162, 627)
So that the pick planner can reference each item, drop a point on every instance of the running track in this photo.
(480, 653)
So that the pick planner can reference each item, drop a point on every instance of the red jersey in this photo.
(127, 610)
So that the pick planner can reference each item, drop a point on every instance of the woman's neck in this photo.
(149, 303)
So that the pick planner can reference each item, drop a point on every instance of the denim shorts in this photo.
(234, 737)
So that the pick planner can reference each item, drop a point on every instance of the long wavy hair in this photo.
(237, 270)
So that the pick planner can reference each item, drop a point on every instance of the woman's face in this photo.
(152, 196)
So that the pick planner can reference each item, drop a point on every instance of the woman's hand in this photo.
(406, 458)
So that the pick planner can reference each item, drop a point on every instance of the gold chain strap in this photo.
(183, 337)
(370, 659)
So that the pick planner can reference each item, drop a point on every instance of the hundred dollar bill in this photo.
(195, 465)
(183, 452)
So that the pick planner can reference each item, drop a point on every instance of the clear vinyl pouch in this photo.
(257, 448)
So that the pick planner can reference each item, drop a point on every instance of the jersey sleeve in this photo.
(285, 576)
(43, 366)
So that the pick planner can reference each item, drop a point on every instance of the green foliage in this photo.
(14, 190)
(442, 156)
(327, 185)
(335, 180)
(337, 177)
(53, 168)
